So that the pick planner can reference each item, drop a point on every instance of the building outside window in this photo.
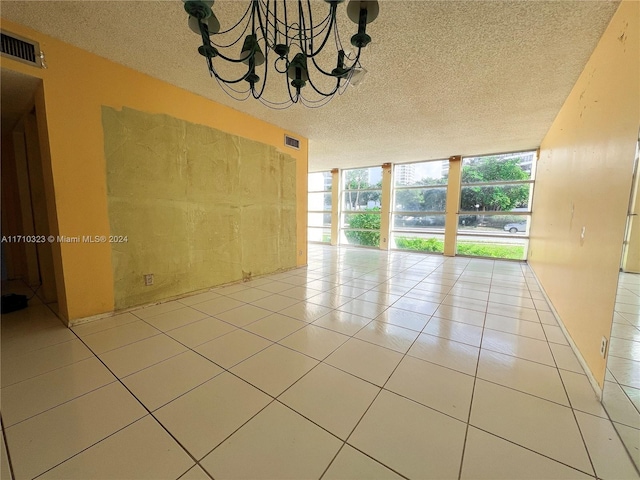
(418, 206)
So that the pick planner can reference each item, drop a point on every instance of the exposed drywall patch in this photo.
(198, 207)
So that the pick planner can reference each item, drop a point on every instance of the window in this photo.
(319, 208)
(495, 205)
(360, 200)
(418, 206)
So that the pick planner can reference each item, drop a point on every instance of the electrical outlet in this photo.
(603, 347)
(148, 279)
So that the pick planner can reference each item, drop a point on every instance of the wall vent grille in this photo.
(292, 142)
(18, 48)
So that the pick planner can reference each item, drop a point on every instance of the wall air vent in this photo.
(292, 142)
(21, 49)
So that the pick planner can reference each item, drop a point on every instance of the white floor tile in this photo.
(450, 354)
(150, 311)
(540, 425)
(96, 326)
(159, 384)
(275, 303)
(48, 439)
(457, 331)
(610, 459)
(120, 456)
(23, 400)
(243, 315)
(331, 398)
(565, 358)
(393, 431)
(269, 447)
(517, 346)
(523, 375)
(314, 341)
(419, 306)
(21, 367)
(217, 305)
(342, 322)
(387, 335)
(199, 298)
(117, 337)
(200, 332)
(365, 360)
(515, 326)
(305, 311)
(350, 464)
(5, 469)
(202, 418)
(232, 348)
(274, 369)
(275, 326)
(132, 358)
(581, 394)
(440, 388)
(175, 318)
(36, 340)
(521, 313)
(487, 457)
(404, 318)
(457, 314)
(196, 473)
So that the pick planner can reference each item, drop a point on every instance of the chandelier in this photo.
(279, 38)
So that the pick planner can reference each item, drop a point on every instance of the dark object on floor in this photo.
(12, 302)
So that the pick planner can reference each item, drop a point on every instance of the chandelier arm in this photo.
(266, 73)
(303, 28)
(279, 23)
(246, 26)
(275, 106)
(326, 38)
(329, 74)
(229, 82)
(311, 103)
(228, 88)
(293, 100)
(246, 12)
(319, 92)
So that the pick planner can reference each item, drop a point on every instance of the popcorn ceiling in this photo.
(444, 77)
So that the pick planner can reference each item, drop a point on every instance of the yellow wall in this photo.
(583, 181)
(76, 85)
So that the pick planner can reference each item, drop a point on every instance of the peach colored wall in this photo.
(76, 85)
(583, 182)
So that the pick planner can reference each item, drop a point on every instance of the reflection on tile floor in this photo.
(365, 364)
(621, 395)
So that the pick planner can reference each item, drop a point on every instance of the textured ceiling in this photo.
(444, 77)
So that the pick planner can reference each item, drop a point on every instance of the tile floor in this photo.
(364, 365)
(622, 386)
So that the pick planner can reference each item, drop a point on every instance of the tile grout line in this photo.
(473, 389)
(6, 447)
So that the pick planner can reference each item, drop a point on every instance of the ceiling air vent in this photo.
(21, 49)
(292, 142)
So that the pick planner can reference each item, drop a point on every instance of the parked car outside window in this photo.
(516, 227)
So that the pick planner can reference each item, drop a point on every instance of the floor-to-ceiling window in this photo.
(319, 207)
(361, 197)
(418, 205)
(495, 205)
